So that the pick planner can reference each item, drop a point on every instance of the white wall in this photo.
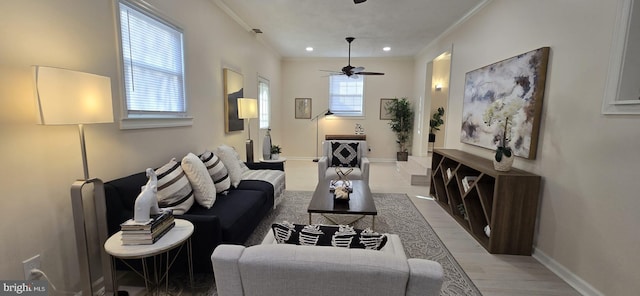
(41, 162)
(301, 78)
(588, 214)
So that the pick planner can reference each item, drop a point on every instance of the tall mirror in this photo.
(622, 92)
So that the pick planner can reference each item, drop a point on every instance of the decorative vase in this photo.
(503, 165)
(275, 156)
(266, 146)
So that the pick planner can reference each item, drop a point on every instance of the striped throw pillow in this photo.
(217, 170)
(174, 190)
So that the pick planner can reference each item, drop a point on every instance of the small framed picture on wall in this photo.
(303, 108)
(384, 112)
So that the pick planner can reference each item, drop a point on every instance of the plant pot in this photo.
(432, 138)
(275, 156)
(402, 156)
(504, 165)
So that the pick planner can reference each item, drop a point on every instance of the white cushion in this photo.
(174, 189)
(217, 171)
(203, 188)
(232, 162)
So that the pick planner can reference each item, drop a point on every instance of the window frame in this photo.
(264, 105)
(153, 119)
(338, 113)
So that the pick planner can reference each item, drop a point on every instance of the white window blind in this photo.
(152, 52)
(346, 95)
(263, 99)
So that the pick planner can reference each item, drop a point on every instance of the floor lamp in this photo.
(247, 109)
(65, 97)
(317, 119)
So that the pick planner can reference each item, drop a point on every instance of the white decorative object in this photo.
(504, 165)
(146, 202)
(487, 230)
(266, 145)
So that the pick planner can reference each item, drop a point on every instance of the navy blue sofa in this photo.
(231, 219)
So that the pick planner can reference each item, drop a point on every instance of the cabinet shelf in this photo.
(507, 202)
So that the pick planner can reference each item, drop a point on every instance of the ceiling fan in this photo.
(359, 1)
(352, 71)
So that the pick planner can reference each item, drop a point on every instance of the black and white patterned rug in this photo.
(396, 214)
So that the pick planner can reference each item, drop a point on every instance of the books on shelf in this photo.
(449, 174)
(467, 181)
(148, 232)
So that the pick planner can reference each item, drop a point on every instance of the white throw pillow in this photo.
(174, 190)
(232, 162)
(217, 171)
(201, 182)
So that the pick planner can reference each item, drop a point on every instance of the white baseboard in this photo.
(572, 279)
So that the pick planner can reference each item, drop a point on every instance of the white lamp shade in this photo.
(247, 108)
(71, 97)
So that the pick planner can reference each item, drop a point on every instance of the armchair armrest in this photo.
(364, 167)
(425, 277)
(323, 165)
(226, 269)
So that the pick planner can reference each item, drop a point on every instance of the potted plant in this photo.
(434, 124)
(401, 124)
(275, 151)
(503, 112)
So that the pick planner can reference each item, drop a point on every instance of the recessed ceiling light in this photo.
(309, 48)
(386, 48)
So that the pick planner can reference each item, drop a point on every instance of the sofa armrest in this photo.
(425, 277)
(226, 269)
(265, 165)
(364, 168)
(323, 165)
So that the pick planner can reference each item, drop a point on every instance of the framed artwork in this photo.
(518, 78)
(233, 90)
(303, 108)
(384, 113)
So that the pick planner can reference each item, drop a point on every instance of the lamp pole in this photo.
(317, 119)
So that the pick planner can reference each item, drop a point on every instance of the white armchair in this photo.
(333, 158)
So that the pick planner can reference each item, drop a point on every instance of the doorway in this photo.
(437, 96)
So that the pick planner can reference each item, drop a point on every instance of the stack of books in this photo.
(147, 233)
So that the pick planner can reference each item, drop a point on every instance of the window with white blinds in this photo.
(346, 95)
(152, 53)
(263, 100)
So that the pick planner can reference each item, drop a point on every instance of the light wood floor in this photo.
(492, 274)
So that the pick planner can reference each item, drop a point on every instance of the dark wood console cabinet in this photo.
(506, 201)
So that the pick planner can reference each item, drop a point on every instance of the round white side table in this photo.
(176, 237)
(280, 159)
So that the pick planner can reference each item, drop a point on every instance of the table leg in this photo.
(373, 223)
(145, 272)
(166, 277)
(190, 260)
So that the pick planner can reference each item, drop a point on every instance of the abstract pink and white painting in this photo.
(518, 78)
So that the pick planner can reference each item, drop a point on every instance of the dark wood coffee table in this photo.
(360, 202)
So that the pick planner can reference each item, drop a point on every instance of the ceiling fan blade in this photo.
(370, 73)
(359, 1)
(357, 69)
(354, 76)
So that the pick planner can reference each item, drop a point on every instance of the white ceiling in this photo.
(407, 26)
